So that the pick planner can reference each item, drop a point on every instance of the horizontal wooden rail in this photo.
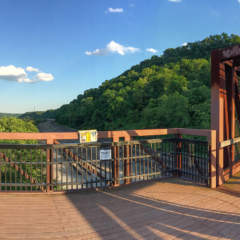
(194, 132)
(115, 135)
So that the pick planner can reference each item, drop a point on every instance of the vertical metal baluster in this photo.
(41, 169)
(102, 184)
(119, 163)
(10, 170)
(167, 157)
(156, 164)
(135, 162)
(67, 169)
(131, 161)
(82, 171)
(202, 162)
(5, 187)
(55, 161)
(1, 173)
(139, 165)
(15, 174)
(193, 169)
(105, 172)
(151, 165)
(86, 161)
(70, 170)
(76, 162)
(62, 165)
(31, 169)
(198, 156)
(20, 165)
(92, 166)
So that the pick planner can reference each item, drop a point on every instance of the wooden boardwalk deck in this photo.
(166, 209)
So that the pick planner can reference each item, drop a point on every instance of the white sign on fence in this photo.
(88, 136)
(105, 154)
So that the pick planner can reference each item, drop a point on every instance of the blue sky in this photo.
(53, 50)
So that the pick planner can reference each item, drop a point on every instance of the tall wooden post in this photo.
(49, 166)
(127, 161)
(115, 166)
(179, 155)
(212, 159)
(217, 111)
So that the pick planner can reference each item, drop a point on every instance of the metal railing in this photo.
(23, 167)
(71, 167)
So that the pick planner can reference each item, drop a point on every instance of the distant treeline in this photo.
(171, 90)
(9, 115)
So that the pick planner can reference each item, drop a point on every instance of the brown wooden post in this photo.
(115, 167)
(127, 161)
(233, 113)
(49, 166)
(212, 159)
(230, 82)
(179, 154)
(217, 111)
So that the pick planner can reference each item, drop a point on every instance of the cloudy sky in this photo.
(51, 51)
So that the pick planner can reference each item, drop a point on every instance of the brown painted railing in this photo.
(126, 160)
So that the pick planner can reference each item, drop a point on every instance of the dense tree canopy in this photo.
(12, 124)
(172, 90)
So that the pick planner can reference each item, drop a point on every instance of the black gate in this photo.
(78, 166)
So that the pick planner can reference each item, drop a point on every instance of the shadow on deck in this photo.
(165, 209)
(232, 186)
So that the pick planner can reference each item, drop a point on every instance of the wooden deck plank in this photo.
(166, 209)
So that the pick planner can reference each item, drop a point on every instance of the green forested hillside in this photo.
(12, 124)
(172, 90)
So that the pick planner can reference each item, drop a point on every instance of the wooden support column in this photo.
(230, 87)
(115, 166)
(49, 166)
(217, 112)
(127, 161)
(179, 155)
(212, 159)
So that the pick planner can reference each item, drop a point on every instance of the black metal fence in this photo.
(71, 167)
(23, 167)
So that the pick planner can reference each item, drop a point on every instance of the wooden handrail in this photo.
(115, 135)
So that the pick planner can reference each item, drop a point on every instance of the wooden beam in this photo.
(229, 142)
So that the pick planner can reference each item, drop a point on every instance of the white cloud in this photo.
(175, 0)
(99, 52)
(184, 44)
(45, 77)
(151, 50)
(115, 10)
(18, 74)
(12, 73)
(32, 69)
(112, 47)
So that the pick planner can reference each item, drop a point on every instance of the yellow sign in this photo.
(87, 136)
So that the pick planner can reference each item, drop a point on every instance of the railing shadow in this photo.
(130, 212)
